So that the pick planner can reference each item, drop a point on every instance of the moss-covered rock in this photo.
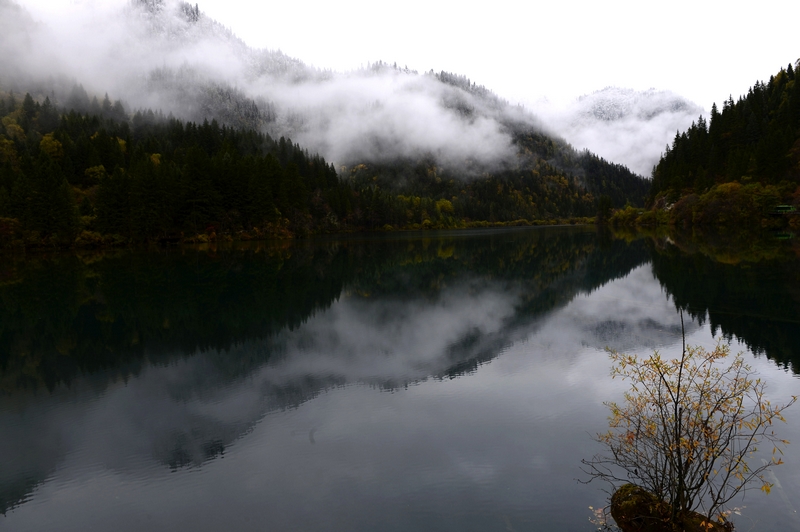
(637, 510)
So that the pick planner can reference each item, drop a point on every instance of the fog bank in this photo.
(168, 55)
(622, 125)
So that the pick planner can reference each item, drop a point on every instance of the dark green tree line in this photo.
(100, 177)
(754, 139)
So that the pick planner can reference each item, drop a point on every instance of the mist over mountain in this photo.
(623, 125)
(393, 135)
(168, 55)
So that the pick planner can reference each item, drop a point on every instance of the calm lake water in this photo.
(445, 381)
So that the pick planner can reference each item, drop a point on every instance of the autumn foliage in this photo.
(689, 430)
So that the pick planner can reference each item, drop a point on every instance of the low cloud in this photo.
(160, 55)
(622, 125)
(389, 115)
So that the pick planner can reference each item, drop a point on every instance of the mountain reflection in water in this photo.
(141, 364)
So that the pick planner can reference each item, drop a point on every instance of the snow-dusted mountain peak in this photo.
(623, 125)
(616, 103)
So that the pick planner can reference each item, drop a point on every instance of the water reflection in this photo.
(68, 315)
(195, 347)
(757, 302)
(136, 371)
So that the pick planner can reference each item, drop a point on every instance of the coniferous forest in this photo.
(735, 169)
(102, 177)
(756, 137)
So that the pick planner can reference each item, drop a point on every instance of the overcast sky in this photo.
(525, 51)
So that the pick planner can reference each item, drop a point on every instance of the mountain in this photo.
(393, 134)
(623, 125)
(613, 103)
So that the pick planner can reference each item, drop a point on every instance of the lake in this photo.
(430, 381)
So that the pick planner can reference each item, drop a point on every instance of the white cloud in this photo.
(622, 125)
(162, 60)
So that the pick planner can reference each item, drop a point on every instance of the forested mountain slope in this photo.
(740, 170)
(408, 149)
(99, 179)
(754, 139)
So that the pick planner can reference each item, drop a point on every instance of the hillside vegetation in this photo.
(736, 168)
(68, 178)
